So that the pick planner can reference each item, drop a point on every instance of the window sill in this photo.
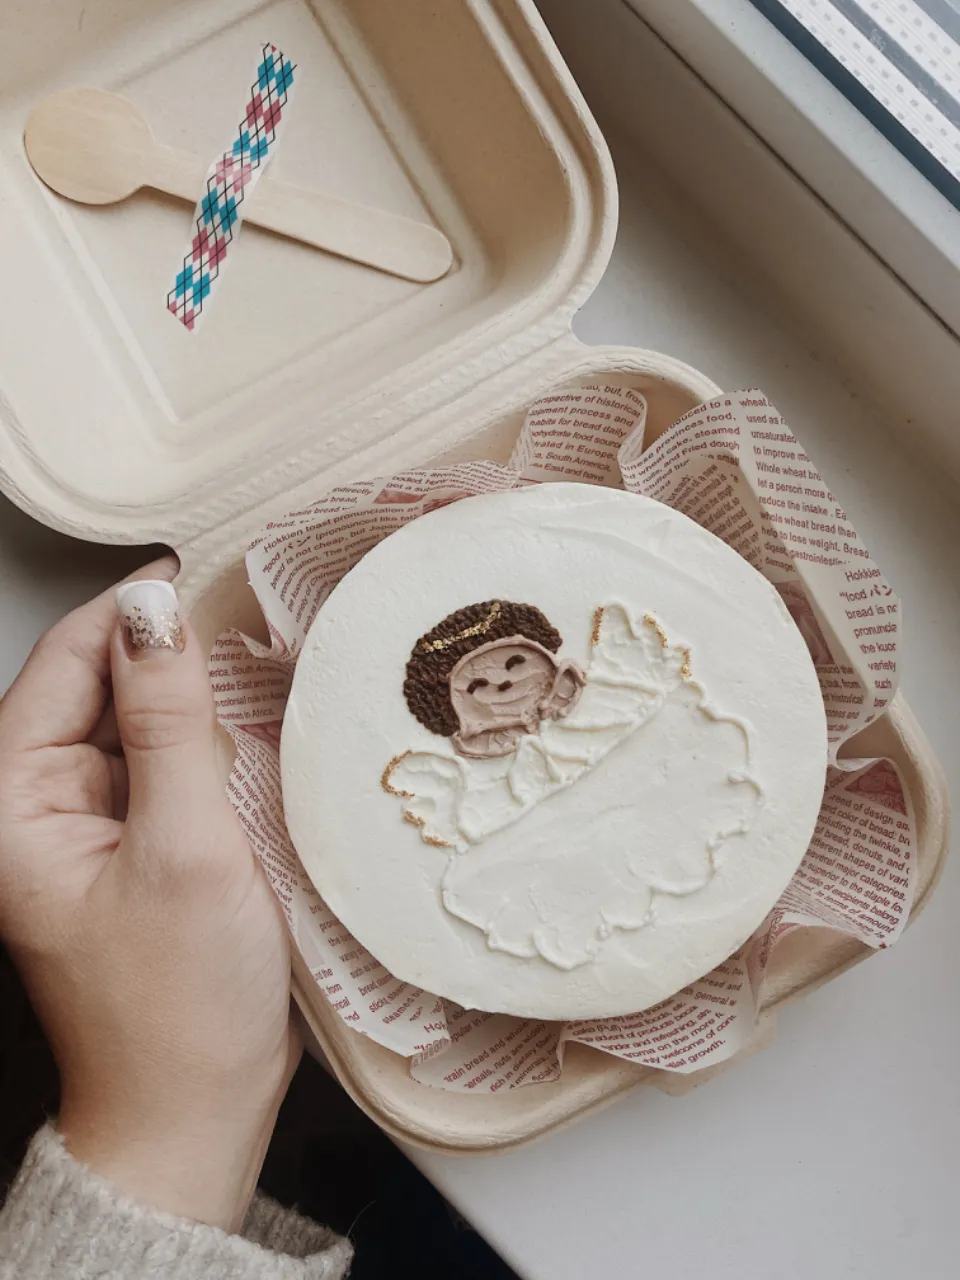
(824, 139)
(793, 187)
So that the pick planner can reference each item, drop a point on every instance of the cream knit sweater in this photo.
(63, 1222)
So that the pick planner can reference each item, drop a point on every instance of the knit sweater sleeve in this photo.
(61, 1219)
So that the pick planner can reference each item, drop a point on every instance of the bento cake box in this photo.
(119, 425)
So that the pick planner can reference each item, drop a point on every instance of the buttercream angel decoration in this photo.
(522, 726)
(488, 675)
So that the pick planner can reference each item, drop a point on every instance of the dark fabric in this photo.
(326, 1159)
(29, 1085)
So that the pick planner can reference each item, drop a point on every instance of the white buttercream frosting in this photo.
(563, 902)
(621, 851)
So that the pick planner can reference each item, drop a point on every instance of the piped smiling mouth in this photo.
(504, 697)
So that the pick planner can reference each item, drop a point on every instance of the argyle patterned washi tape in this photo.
(234, 174)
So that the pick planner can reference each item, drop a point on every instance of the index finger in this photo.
(58, 697)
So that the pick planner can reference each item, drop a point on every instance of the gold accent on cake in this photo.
(597, 624)
(385, 778)
(437, 842)
(651, 621)
(686, 670)
(480, 629)
(413, 819)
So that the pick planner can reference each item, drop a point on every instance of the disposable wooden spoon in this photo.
(97, 148)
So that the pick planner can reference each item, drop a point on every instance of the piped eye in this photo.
(474, 685)
(515, 661)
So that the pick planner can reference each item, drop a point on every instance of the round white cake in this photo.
(553, 752)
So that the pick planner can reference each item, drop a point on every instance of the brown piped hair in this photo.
(427, 684)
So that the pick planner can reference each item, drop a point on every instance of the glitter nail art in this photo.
(150, 617)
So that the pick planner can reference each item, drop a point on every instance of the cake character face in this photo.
(487, 675)
(502, 690)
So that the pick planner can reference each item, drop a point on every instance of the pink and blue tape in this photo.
(232, 177)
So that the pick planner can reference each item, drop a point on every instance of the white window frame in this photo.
(837, 152)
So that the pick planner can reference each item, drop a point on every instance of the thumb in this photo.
(164, 706)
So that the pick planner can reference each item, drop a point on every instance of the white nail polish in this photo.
(150, 617)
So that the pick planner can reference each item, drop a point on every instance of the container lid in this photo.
(116, 423)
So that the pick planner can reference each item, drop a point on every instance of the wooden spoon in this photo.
(97, 148)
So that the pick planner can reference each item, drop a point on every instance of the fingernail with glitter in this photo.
(150, 618)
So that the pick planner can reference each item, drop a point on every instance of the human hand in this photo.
(146, 933)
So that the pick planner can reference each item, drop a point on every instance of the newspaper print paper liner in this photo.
(734, 467)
